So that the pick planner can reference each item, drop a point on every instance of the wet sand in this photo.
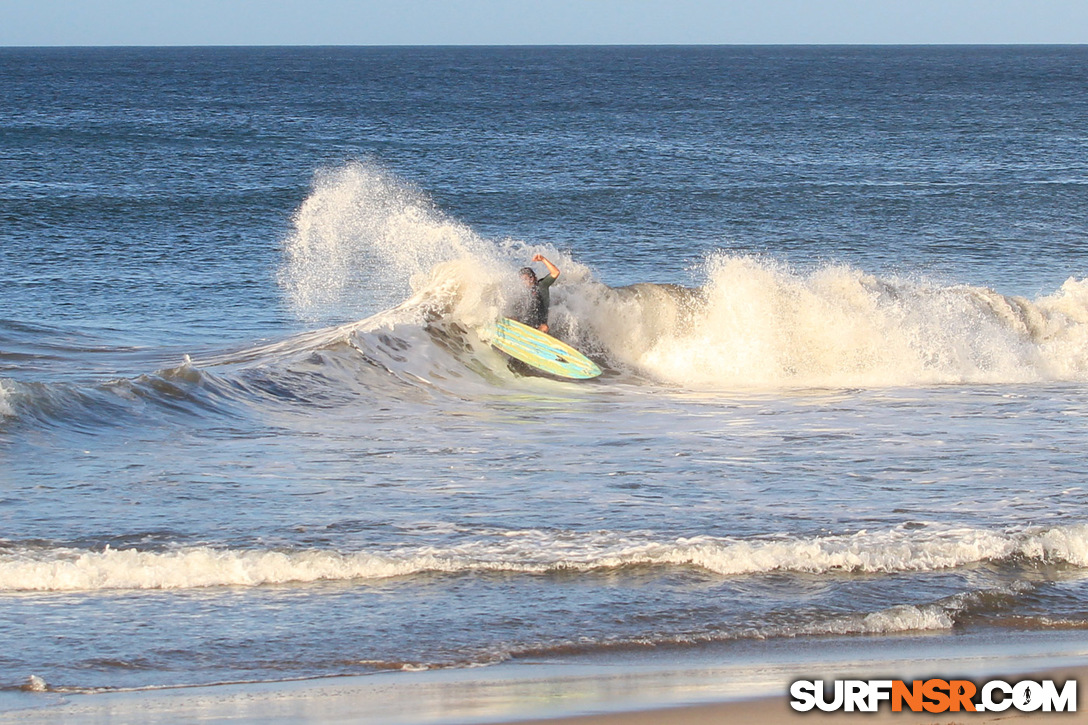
(729, 686)
(777, 711)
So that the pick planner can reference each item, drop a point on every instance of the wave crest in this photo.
(536, 552)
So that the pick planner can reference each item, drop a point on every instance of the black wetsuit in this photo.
(533, 310)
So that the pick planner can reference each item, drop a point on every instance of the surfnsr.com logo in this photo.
(934, 695)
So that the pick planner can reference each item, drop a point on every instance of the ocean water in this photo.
(249, 431)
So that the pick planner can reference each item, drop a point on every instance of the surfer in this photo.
(533, 308)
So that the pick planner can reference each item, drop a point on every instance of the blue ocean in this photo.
(250, 430)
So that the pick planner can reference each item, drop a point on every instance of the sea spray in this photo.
(364, 233)
(360, 238)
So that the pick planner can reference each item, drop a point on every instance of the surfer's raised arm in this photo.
(534, 305)
(552, 269)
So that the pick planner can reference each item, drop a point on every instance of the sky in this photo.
(539, 22)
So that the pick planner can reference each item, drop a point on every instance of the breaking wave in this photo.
(364, 235)
(5, 407)
(536, 552)
(751, 323)
(759, 324)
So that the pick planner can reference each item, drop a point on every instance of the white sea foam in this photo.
(5, 405)
(34, 684)
(535, 552)
(757, 323)
(903, 618)
(893, 620)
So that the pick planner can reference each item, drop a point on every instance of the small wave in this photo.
(899, 619)
(902, 618)
(182, 389)
(34, 684)
(372, 359)
(536, 552)
(6, 411)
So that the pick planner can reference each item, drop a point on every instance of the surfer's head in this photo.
(528, 276)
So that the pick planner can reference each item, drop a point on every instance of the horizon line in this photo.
(556, 45)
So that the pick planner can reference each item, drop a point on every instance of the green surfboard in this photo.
(539, 350)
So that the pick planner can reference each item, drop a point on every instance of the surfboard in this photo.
(539, 350)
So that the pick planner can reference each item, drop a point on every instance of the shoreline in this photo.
(742, 682)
